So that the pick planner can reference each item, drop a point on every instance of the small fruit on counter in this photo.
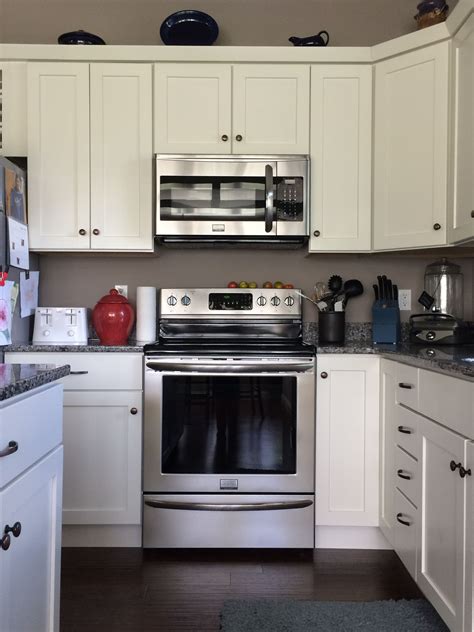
(243, 284)
(278, 285)
(289, 286)
(268, 284)
(232, 284)
(252, 284)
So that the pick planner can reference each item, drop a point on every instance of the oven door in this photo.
(234, 426)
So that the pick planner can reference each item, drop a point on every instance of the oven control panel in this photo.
(189, 303)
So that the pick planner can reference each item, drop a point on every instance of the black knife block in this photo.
(385, 322)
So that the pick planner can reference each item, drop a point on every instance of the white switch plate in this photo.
(122, 289)
(404, 300)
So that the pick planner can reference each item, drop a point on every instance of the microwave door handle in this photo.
(269, 208)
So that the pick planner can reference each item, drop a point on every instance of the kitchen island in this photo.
(31, 470)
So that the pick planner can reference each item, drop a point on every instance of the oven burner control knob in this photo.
(261, 301)
(172, 300)
(431, 335)
(289, 301)
(275, 301)
(186, 300)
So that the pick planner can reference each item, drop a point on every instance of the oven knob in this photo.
(289, 301)
(275, 301)
(172, 300)
(186, 300)
(431, 335)
(261, 301)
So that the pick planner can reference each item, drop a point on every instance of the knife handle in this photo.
(376, 291)
(395, 293)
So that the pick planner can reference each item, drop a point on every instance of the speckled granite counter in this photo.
(457, 361)
(91, 347)
(21, 378)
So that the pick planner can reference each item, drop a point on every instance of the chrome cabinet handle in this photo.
(238, 138)
(405, 430)
(405, 522)
(170, 504)
(269, 208)
(78, 372)
(280, 367)
(16, 529)
(10, 449)
(401, 474)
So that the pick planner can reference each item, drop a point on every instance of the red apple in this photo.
(232, 284)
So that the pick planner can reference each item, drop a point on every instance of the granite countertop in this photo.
(91, 347)
(457, 361)
(21, 378)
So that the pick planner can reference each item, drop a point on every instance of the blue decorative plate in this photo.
(80, 37)
(189, 28)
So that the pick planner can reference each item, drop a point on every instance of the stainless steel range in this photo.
(229, 422)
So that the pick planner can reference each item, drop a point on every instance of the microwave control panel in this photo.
(289, 199)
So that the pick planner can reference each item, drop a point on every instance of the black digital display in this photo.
(228, 301)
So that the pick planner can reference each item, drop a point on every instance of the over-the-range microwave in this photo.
(232, 199)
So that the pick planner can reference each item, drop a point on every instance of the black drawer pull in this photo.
(5, 542)
(406, 476)
(16, 529)
(454, 466)
(78, 372)
(10, 449)
(405, 385)
(405, 430)
(399, 518)
(463, 472)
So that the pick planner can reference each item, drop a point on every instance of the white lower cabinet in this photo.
(347, 441)
(388, 376)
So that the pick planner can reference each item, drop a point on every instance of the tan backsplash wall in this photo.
(80, 280)
(241, 22)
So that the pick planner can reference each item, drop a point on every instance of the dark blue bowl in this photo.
(189, 28)
(80, 37)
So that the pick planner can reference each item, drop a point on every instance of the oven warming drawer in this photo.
(228, 521)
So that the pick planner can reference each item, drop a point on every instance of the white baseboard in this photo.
(350, 538)
(102, 535)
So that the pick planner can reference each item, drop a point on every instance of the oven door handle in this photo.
(269, 207)
(171, 504)
(255, 367)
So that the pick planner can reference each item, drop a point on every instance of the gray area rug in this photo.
(330, 616)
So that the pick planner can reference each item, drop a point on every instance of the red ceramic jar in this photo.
(113, 319)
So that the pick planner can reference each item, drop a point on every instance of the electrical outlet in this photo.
(122, 289)
(404, 300)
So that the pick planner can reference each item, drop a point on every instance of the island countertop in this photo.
(21, 378)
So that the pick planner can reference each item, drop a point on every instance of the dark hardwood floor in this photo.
(126, 590)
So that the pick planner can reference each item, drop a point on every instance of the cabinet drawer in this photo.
(448, 400)
(407, 386)
(406, 432)
(407, 476)
(405, 536)
(91, 371)
(35, 425)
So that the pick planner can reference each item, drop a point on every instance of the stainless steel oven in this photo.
(229, 423)
(232, 198)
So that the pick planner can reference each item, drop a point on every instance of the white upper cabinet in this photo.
(13, 139)
(58, 156)
(461, 226)
(193, 108)
(411, 149)
(90, 156)
(341, 158)
(222, 109)
(121, 151)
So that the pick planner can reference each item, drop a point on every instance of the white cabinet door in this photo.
(462, 221)
(13, 141)
(270, 109)
(121, 157)
(30, 568)
(192, 111)
(347, 441)
(388, 420)
(341, 158)
(58, 155)
(441, 562)
(102, 457)
(411, 144)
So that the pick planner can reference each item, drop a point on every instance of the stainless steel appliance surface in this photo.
(232, 199)
(229, 422)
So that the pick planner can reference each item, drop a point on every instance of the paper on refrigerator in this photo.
(6, 313)
(28, 293)
(18, 243)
